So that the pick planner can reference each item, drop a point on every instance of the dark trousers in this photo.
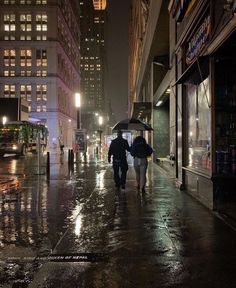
(120, 170)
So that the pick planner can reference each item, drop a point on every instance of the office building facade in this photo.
(40, 61)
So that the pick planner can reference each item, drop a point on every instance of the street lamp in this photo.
(78, 106)
(4, 120)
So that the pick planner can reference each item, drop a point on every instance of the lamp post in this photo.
(78, 106)
(100, 122)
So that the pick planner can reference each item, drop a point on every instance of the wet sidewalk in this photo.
(110, 238)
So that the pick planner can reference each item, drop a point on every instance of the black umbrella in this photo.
(132, 124)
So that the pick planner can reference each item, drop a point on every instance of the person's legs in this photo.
(137, 171)
(116, 174)
(124, 169)
(143, 171)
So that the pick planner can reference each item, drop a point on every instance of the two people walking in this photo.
(140, 150)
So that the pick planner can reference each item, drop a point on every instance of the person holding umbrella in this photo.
(140, 150)
(117, 151)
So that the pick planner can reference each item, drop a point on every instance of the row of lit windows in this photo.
(25, 57)
(25, 22)
(25, 73)
(25, 90)
(25, 2)
(25, 37)
(26, 94)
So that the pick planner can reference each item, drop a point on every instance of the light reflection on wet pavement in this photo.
(162, 238)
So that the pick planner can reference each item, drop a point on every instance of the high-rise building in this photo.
(40, 61)
(93, 61)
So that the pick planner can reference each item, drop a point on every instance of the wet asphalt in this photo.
(75, 229)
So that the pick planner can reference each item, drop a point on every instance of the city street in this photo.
(76, 230)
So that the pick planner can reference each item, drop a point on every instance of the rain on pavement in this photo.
(106, 237)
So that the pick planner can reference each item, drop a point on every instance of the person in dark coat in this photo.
(140, 150)
(117, 151)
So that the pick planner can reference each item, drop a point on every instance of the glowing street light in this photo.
(100, 120)
(4, 120)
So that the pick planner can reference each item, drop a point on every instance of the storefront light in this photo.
(159, 103)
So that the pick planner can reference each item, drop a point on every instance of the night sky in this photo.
(117, 56)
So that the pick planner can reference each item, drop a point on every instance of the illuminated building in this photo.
(39, 60)
(93, 59)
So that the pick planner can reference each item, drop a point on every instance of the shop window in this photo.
(198, 126)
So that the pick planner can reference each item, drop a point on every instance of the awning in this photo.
(142, 110)
(192, 74)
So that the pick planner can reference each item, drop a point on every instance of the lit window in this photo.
(26, 57)
(10, 57)
(25, 22)
(9, 1)
(41, 73)
(41, 22)
(41, 58)
(25, 73)
(25, 1)
(41, 37)
(9, 22)
(41, 93)
(9, 91)
(25, 92)
(41, 1)
(25, 37)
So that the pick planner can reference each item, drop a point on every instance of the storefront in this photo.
(206, 92)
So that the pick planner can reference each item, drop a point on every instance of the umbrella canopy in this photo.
(132, 124)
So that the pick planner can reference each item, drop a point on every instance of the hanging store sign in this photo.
(198, 41)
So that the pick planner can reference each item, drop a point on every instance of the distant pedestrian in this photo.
(61, 145)
(140, 150)
(117, 151)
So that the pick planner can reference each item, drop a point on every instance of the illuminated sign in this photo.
(198, 41)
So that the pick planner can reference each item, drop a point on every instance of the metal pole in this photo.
(39, 150)
(100, 141)
(48, 164)
(79, 124)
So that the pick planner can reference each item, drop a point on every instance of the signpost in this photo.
(80, 144)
